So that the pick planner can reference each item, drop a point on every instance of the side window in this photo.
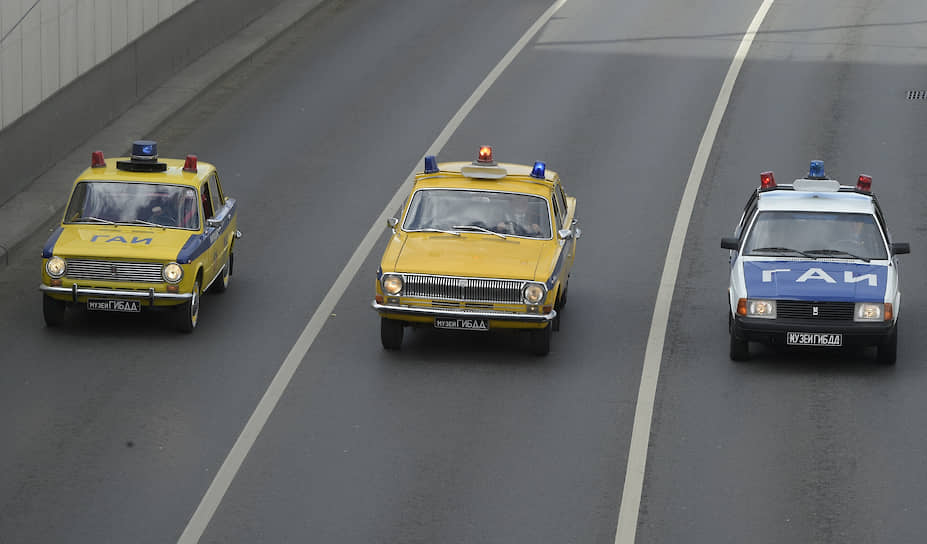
(558, 211)
(215, 193)
(561, 202)
(207, 201)
(749, 210)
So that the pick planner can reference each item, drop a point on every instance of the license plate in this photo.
(465, 324)
(114, 305)
(814, 339)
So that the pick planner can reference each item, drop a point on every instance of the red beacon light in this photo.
(864, 183)
(767, 180)
(97, 160)
(189, 165)
(485, 155)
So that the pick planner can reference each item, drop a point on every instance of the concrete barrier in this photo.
(38, 139)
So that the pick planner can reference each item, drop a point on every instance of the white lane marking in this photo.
(223, 479)
(653, 356)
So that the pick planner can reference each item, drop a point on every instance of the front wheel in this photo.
(53, 311)
(188, 313)
(739, 349)
(887, 351)
(540, 340)
(391, 333)
(221, 284)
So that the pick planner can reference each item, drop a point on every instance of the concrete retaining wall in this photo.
(69, 67)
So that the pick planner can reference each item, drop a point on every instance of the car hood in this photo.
(120, 242)
(816, 280)
(471, 255)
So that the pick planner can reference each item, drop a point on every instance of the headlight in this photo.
(392, 284)
(761, 308)
(869, 311)
(534, 293)
(172, 273)
(55, 267)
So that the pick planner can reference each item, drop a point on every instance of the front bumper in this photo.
(75, 291)
(773, 331)
(463, 314)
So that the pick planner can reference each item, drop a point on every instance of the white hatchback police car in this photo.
(813, 264)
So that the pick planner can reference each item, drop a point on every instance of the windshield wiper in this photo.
(478, 228)
(143, 222)
(833, 252)
(89, 218)
(430, 229)
(777, 249)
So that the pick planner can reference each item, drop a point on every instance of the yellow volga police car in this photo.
(139, 232)
(479, 246)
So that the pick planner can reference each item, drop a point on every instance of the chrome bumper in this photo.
(464, 314)
(76, 291)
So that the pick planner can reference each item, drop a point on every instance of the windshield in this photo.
(493, 212)
(136, 203)
(816, 234)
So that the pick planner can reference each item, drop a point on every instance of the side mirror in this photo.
(392, 222)
(730, 243)
(213, 223)
(901, 248)
(565, 234)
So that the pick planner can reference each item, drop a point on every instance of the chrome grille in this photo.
(804, 309)
(475, 289)
(85, 269)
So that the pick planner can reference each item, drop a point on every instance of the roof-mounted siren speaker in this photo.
(767, 180)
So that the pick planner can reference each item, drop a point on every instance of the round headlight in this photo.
(172, 273)
(55, 267)
(534, 293)
(392, 284)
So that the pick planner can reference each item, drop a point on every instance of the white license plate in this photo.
(464, 324)
(114, 305)
(814, 339)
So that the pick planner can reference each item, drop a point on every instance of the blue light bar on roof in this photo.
(816, 171)
(540, 170)
(144, 150)
(431, 164)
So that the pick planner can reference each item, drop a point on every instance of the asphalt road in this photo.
(115, 427)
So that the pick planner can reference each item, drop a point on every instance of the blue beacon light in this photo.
(540, 170)
(816, 171)
(145, 150)
(431, 164)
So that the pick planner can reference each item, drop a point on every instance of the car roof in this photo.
(173, 175)
(811, 201)
(518, 179)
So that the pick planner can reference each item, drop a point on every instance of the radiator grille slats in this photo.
(803, 309)
(471, 289)
(85, 269)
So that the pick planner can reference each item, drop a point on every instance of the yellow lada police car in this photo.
(479, 246)
(141, 232)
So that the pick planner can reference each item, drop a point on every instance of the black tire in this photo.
(558, 307)
(391, 333)
(739, 349)
(887, 351)
(53, 311)
(187, 315)
(539, 340)
(221, 284)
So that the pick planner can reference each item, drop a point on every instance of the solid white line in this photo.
(223, 479)
(643, 414)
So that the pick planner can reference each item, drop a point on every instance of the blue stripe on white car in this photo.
(815, 280)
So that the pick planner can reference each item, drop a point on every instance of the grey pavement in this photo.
(46, 196)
